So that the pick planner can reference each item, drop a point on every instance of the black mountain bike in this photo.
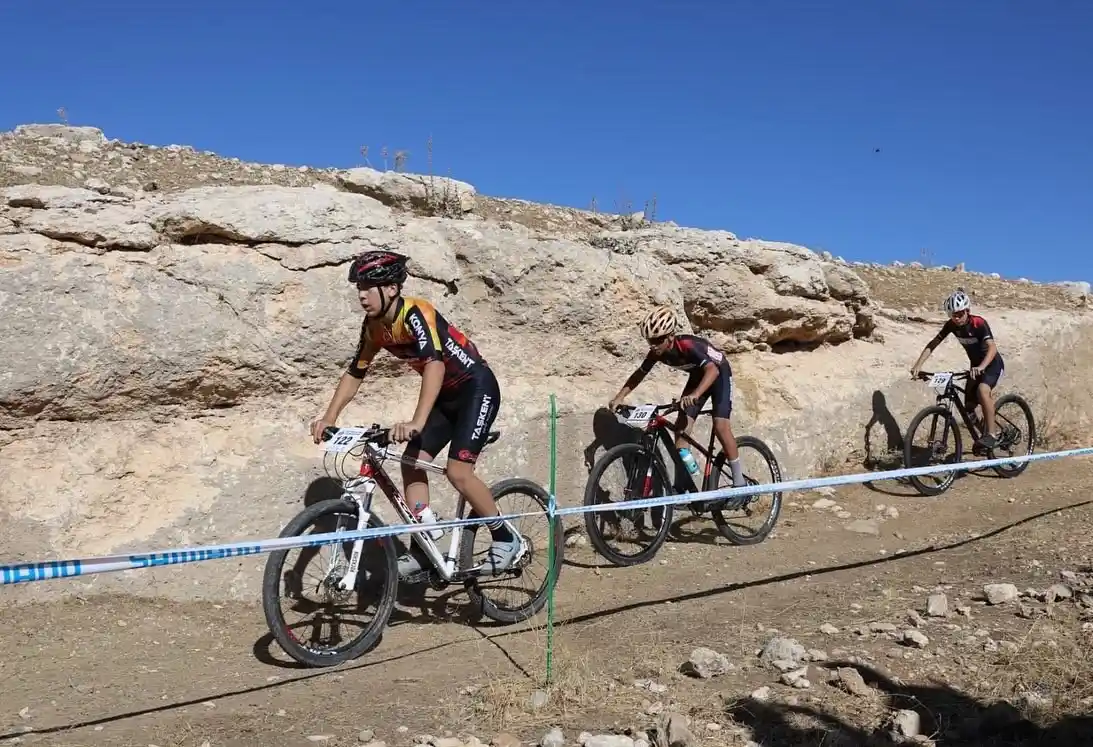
(950, 396)
(647, 477)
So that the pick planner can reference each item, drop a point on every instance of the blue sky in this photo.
(759, 117)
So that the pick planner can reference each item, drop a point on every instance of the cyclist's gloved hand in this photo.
(686, 400)
(976, 372)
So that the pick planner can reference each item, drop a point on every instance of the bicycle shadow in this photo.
(942, 712)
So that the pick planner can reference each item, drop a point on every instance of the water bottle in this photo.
(426, 516)
(688, 460)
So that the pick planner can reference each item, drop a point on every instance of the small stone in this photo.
(906, 723)
(882, 627)
(798, 679)
(762, 694)
(1058, 591)
(828, 629)
(553, 738)
(915, 638)
(539, 699)
(891, 512)
(937, 605)
(446, 742)
(365, 736)
(850, 680)
(863, 526)
(705, 663)
(823, 503)
(1000, 593)
(915, 619)
(504, 739)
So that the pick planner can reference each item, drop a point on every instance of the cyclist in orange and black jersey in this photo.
(457, 403)
(419, 334)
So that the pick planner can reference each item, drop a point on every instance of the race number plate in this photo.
(641, 415)
(940, 381)
(344, 440)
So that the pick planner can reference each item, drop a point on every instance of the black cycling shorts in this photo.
(463, 418)
(720, 390)
(990, 376)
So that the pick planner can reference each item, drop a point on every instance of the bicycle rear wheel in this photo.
(766, 466)
(649, 524)
(477, 588)
(923, 454)
(377, 585)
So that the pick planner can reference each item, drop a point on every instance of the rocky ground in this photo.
(870, 616)
(963, 619)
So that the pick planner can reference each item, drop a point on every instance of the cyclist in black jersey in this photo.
(709, 374)
(974, 335)
(457, 403)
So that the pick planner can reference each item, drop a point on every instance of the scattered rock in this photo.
(915, 638)
(828, 629)
(937, 605)
(1057, 592)
(906, 724)
(553, 738)
(863, 526)
(365, 736)
(1000, 593)
(797, 678)
(705, 663)
(538, 700)
(823, 503)
(780, 649)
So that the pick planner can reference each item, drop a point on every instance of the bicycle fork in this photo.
(364, 514)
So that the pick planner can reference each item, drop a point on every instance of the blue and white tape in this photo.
(54, 569)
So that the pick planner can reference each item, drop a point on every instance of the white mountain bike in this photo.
(376, 582)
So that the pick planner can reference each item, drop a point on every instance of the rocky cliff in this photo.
(172, 319)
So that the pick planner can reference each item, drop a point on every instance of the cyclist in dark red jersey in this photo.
(974, 335)
(457, 403)
(709, 375)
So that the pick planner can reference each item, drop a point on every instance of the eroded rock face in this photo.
(209, 295)
(172, 319)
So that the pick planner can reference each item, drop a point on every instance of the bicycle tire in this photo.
(908, 445)
(466, 556)
(748, 442)
(595, 537)
(271, 591)
(1017, 469)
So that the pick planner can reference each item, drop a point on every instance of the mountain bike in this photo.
(647, 477)
(950, 396)
(346, 574)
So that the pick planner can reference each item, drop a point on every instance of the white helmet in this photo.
(659, 322)
(958, 301)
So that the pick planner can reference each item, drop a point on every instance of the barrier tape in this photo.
(54, 569)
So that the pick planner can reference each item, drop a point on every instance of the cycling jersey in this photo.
(419, 334)
(972, 336)
(691, 353)
(687, 352)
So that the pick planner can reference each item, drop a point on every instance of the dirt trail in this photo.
(114, 671)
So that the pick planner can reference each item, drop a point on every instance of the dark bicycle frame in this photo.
(950, 399)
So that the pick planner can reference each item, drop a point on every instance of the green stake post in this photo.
(550, 539)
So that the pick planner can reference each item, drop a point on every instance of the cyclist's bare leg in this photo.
(463, 478)
(986, 401)
(722, 428)
(416, 480)
(684, 424)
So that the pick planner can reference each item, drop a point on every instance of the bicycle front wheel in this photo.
(316, 591)
(937, 424)
(759, 467)
(647, 528)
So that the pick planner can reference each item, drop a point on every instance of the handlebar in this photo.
(379, 436)
(927, 375)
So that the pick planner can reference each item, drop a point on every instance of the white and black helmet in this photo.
(958, 301)
(659, 322)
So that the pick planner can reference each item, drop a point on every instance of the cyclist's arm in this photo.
(636, 377)
(347, 389)
(431, 378)
(931, 345)
(350, 382)
(983, 332)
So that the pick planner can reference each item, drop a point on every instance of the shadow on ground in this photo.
(939, 712)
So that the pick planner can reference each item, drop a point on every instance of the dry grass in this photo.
(917, 289)
(1048, 677)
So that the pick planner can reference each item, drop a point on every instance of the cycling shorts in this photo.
(721, 391)
(462, 418)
